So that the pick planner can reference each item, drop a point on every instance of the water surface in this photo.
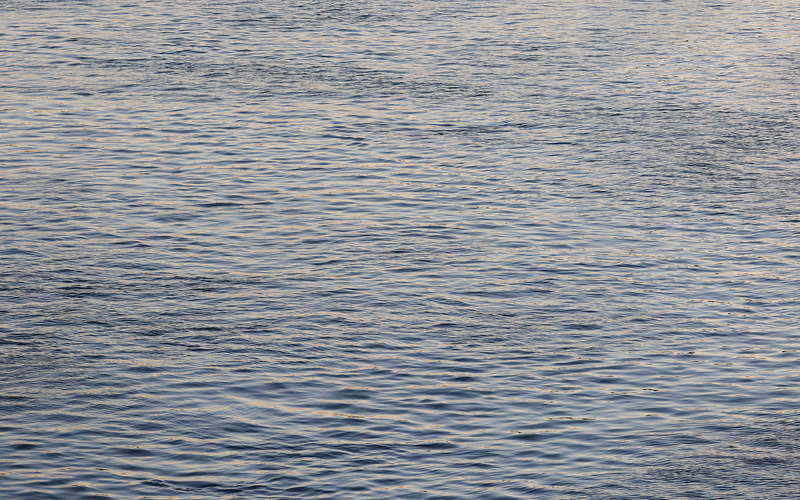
(424, 250)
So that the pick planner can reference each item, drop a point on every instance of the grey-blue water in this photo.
(464, 249)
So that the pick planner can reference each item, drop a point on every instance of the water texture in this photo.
(451, 249)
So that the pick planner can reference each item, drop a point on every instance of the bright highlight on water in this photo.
(399, 250)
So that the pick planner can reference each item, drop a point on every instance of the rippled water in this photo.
(424, 250)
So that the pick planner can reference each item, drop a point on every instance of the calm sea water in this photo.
(484, 249)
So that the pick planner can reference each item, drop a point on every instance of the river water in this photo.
(484, 249)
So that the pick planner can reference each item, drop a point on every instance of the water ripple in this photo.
(399, 250)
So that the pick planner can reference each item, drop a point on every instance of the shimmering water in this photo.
(414, 250)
